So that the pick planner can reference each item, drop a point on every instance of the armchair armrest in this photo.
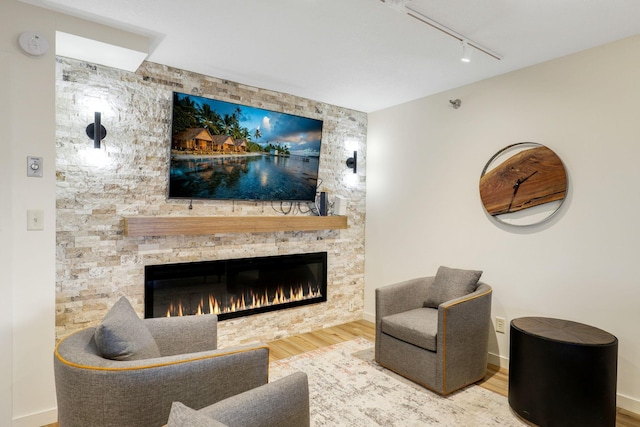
(463, 334)
(284, 402)
(186, 334)
(403, 296)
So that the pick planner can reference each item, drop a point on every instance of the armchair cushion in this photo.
(122, 335)
(181, 416)
(451, 283)
(418, 327)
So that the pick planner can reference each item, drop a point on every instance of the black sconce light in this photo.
(91, 131)
(352, 162)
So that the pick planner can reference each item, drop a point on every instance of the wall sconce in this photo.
(352, 162)
(91, 131)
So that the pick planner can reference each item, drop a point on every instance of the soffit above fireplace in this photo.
(127, 53)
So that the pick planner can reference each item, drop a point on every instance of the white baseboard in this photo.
(38, 419)
(369, 317)
(628, 403)
(501, 361)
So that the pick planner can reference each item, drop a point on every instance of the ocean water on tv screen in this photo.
(246, 177)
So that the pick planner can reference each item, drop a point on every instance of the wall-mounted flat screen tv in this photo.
(226, 151)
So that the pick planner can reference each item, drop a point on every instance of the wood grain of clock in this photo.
(529, 178)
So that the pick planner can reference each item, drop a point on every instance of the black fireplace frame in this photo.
(155, 275)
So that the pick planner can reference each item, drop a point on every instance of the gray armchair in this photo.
(444, 347)
(94, 391)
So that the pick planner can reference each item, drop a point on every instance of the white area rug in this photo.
(347, 388)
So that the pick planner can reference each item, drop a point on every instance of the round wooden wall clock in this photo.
(523, 184)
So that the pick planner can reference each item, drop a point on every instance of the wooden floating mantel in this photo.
(201, 225)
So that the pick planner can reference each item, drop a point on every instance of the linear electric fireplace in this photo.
(236, 287)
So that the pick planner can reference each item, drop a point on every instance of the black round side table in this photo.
(562, 373)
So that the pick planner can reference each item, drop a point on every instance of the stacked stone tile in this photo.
(96, 189)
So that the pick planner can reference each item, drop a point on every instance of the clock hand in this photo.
(515, 190)
(516, 186)
(520, 181)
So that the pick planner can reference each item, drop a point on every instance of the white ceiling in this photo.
(358, 54)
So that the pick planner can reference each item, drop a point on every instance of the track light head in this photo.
(466, 52)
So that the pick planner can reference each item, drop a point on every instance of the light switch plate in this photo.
(35, 220)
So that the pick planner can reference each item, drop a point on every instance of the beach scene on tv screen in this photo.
(222, 150)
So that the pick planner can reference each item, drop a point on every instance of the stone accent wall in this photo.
(128, 176)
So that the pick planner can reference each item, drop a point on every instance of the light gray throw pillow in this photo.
(122, 335)
(451, 283)
(183, 416)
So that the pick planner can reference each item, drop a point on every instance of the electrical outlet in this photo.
(500, 325)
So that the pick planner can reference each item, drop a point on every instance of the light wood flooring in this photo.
(497, 379)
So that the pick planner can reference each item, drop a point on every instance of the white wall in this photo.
(6, 264)
(424, 209)
(27, 258)
(27, 129)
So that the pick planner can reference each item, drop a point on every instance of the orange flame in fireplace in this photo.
(176, 310)
(213, 306)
